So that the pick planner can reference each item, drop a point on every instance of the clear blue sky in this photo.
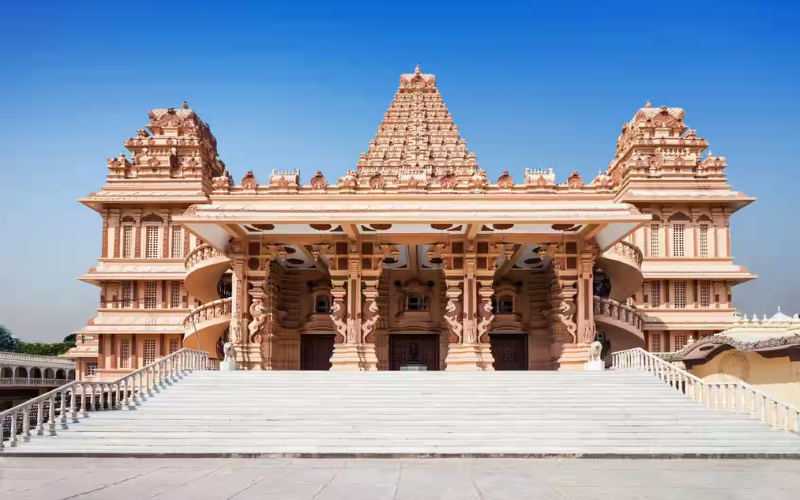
(305, 86)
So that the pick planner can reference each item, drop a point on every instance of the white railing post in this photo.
(26, 422)
(763, 408)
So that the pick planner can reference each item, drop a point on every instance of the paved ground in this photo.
(420, 479)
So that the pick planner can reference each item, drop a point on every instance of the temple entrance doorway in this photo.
(316, 350)
(414, 349)
(510, 351)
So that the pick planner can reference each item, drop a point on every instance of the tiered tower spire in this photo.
(417, 139)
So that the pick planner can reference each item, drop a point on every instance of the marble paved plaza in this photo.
(402, 479)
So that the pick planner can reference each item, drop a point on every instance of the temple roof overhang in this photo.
(135, 269)
(733, 200)
(519, 218)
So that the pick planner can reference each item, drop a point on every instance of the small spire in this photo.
(185, 105)
(649, 104)
(779, 309)
(417, 70)
(710, 154)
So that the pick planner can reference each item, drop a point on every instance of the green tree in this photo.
(70, 339)
(43, 349)
(7, 342)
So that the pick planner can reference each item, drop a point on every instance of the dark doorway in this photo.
(316, 351)
(510, 351)
(414, 349)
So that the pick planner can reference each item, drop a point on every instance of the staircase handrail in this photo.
(734, 396)
(126, 391)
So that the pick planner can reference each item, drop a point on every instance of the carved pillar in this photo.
(369, 326)
(104, 243)
(484, 326)
(251, 353)
(566, 349)
(114, 221)
(347, 353)
(585, 302)
(463, 352)
(238, 299)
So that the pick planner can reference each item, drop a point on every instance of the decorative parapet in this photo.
(218, 309)
(625, 252)
(201, 254)
(540, 178)
(16, 357)
(620, 312)
(284, 180)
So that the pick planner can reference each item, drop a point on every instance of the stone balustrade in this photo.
(36, 358)
(612, 309)
(200, 254)
(218, 309)
(33, 370)
(71, 401)
(723, 396)
(32, 382)
(625, 252)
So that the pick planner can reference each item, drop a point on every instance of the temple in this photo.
(414, 259)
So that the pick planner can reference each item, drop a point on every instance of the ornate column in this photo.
(369, 326)
(485, 320)
(565, 350)
(262, 309)
(463, 353)
(585, 302)
(347, 354)
(238, 299)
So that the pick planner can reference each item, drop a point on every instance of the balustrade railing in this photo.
(724, 396)
(615, 310)
(219, 308)
(36, 382)
(43, 414)
(53, 360)
(622, 250)
(200, 254)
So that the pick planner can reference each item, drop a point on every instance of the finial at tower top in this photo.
(417, 70)
(185, 105)
(649, 104)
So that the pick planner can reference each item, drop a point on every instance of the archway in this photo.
(35, 373)
(6, 372)
(21, 372)
(61, 375)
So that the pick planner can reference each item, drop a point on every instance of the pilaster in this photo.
(463, 352)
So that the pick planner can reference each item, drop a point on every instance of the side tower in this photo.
(688, 268)
(140, 272)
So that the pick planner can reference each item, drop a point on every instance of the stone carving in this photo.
(539, 177)
(479, 180)
(259, 314)
(565, 312)
(353, 329)
(337, 316)
(350, 180)
(377, 181)
(284, 178)
(505, 181)
(318, 181)
(371, 317)
(486, 318)
(230, 352)
(595, 350)
(452, 317)
(575, 181)
(249, 181)
(449, 181)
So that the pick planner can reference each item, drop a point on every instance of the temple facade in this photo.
(414, 259)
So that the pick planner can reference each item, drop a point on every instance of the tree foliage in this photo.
(11, 344)
(7, 342)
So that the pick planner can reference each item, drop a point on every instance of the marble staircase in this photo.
(250, 413)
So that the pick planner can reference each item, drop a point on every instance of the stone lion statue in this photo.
(230, 352)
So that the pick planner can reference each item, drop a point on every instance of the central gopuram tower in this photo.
(415, 259)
